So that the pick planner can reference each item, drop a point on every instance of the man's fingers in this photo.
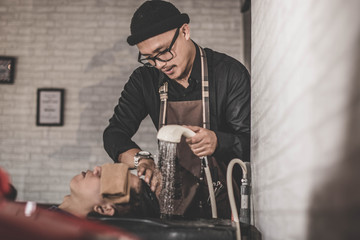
(144, 165)
(148, 175)
(198, 149)
(193, 128)
(195, 139)
(200, 135)
(198, 144)
(154, 183)
(202, 149)
(203, 143)
(201, 152)
(140, 170)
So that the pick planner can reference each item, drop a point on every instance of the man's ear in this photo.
(105, 209)
(185, 29)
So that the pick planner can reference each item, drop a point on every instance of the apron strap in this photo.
(205, 89)
(163, 91)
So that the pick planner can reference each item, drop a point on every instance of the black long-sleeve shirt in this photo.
(229, 87)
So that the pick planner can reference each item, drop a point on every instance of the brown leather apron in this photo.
(191, 191)
(188, 166)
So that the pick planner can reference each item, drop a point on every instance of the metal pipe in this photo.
(231, 192)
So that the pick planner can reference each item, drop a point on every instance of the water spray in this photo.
(173, 133)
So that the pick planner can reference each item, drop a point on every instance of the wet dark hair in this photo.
(142, 204)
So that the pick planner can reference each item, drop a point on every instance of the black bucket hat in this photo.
(153, 18)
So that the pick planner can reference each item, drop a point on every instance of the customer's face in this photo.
(86, 186)
(176, 67)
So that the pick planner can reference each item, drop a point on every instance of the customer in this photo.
(91, 192)
(204, 89)
(19, 220)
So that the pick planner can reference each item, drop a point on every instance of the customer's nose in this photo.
(97, 171)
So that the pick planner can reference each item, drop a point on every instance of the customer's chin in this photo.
(75, 179)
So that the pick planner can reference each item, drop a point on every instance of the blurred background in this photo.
(304, 59)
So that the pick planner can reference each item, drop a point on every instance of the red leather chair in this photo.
(44, 224)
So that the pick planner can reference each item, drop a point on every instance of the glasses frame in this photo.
(145, 60)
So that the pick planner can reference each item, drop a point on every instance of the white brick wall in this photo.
(305, 118)
(80, 46)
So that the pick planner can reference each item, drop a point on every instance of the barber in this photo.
(206, 90)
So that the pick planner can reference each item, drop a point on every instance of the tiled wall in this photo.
(81, 46)
(305, 118)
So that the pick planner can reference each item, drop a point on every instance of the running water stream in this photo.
(167, 156)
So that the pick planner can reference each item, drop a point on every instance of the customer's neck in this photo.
(72, 206)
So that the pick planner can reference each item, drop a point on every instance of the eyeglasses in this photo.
(163, 56)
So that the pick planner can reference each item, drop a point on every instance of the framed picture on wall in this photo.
(7, 70)
(50, 107)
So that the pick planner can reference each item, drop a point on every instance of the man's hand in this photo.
(148, 169)
(203, 143)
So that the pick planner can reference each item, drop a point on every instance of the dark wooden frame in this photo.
(7, 75)
(58, 108)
